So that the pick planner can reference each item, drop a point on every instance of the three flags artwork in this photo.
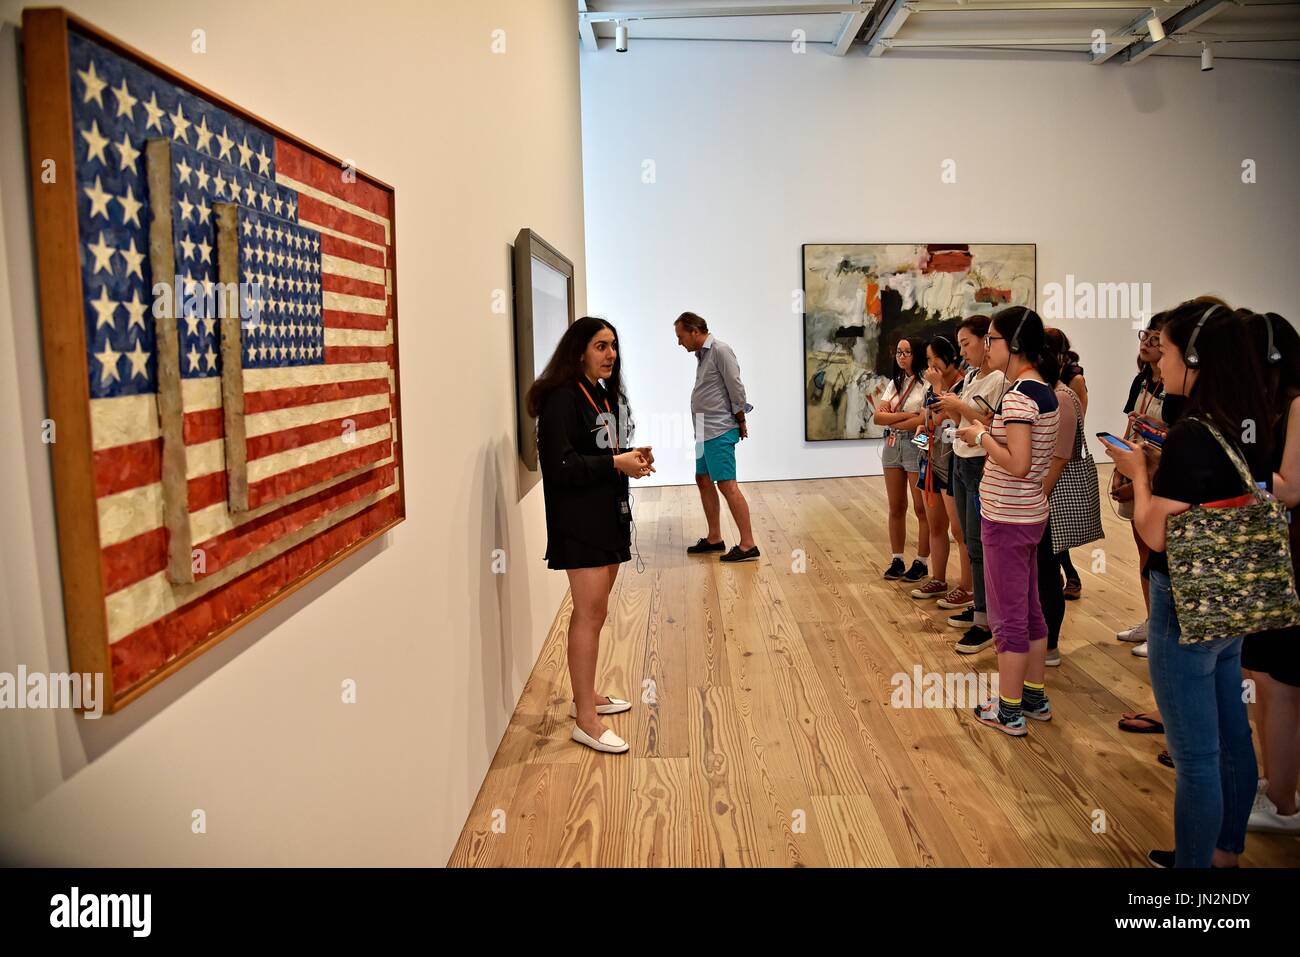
(219, 323)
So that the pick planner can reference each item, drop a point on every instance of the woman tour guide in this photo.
(580, 406)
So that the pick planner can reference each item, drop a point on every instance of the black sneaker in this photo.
(895, 570)
(704, 545)
(962, 619)
(738, 554)
(1161, 858)
(1166, 859)
(917, 572)
(976, 639)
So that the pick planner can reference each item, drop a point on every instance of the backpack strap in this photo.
(1234, 456)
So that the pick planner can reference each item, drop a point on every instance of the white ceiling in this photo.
(1255, 29)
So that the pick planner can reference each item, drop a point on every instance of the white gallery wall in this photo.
(708, 164)
(254, 733)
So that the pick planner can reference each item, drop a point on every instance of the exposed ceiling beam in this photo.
(756, 10)
(893, 13)
(585, 30)
(937, 6)
(1182, 21)
(989, 41)
(998, 41)
(1120, 39)
(849, 28)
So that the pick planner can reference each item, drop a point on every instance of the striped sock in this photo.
(1034, 695)
(1008, 709)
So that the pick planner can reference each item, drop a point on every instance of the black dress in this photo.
(588, 521)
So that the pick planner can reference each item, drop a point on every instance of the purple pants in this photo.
(1011, 583)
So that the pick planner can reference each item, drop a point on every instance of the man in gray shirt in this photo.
(718, 407)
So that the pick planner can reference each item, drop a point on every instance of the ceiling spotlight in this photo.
(1207, 58)
(620, 37)
(1155, 27)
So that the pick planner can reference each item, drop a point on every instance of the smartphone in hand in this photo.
(1114, 440)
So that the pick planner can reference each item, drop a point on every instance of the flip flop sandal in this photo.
(1141, 723)
(1165, 758)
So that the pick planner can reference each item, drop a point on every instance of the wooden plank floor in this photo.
(767, 738)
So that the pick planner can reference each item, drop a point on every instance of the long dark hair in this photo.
(1154, 324)
(1059, 343)
(943, 350)
(978, 325)
(1022, 324)
(565, 366)
(898, 369)
(1229, 388)
(1281, 378)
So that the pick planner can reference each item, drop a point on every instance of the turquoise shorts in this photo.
(717, 456)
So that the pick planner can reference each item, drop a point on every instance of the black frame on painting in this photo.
(529, 246)
(803, 328)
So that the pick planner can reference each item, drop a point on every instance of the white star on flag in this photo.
(94, 85)
(125, 102)
(95, 143)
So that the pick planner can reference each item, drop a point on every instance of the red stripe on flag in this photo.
(337, 355)
(128, 562)
(229, 547)
(328, 178)
(268, 400)
(125, 467)
(207, 490)
(260, 446)
(322, 214)
(344, 249)
(204, 426)
(330, 282)
(275, 487)
(146, 650)
(336, 319)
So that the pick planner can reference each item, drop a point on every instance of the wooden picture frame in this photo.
(534, 327)
(204, 606)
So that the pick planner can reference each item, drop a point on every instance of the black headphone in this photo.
(1190, 356)
(1014, 345)
(1273, 356)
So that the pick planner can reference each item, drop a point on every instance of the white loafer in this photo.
(615, 706)
(609, 741)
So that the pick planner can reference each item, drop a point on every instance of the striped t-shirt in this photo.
(1003, 497)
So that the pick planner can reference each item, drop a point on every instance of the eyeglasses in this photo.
(988, 340)
(1149, 336)
(902, 352)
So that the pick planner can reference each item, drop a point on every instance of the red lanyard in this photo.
(608, 431)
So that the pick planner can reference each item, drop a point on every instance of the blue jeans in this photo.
(1198, 689)
(966, 475)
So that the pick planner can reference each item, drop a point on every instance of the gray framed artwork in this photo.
(544, 308)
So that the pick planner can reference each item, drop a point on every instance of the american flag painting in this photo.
(240, 358)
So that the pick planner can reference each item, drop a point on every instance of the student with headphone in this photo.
(1272, 658)
(1207, 357)
(1014, 512)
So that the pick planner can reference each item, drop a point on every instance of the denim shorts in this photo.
(904, 455)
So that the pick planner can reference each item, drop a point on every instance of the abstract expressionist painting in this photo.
(220, 342)
(861, 298)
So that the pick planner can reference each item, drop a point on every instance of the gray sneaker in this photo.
(1136, 633)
